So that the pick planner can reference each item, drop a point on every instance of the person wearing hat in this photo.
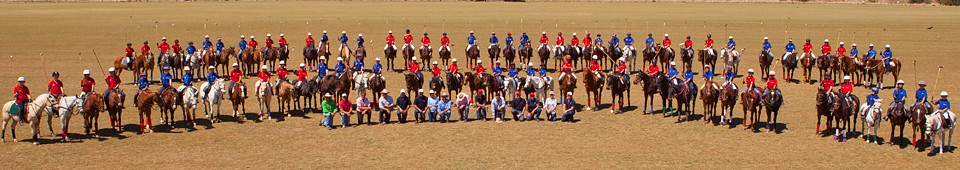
(444, 108)
(687, 45)
(550, 106)
(128, 52)
(328, 106)
(873, 98)
(219, 46)
(142, 85)
(55, 87)
(731, 45)
(560, 42)
(497, 70)
(708, 45)
(728, 77)
(672, 72)
(518, 105)
(386, 104)
(340, 67)
(187, 80)
(302, 74)
(345, 108)
(534, 108)
(512, 72)
(707, 73)
(283, 42)
(772, 83)
(212, 77)
(281, 74)
(567, 65)
(944, 105)
(628, 43)
(825, 49)
(164, 48)
(463, 106)
(421, 106)
(649, 42)
(767, 46)
(788, 49)
(445, 41)
(390, 39)
(615, 42)
(176, 46)
(887, 57)
(688, 78)
(359, 41)
(190, 48)
(253, 43)
(432, 106)
(407, 40)
(854, 52)
(481, 101)
(807, 50)
(343, 41)
(269, 43)
(841, 51)
(494, 41)
(264, 76)
(435, 69)
(377, 67)
(543, 72)
(453, 68)
(479, 68)
(145, 50)
(415, 68)
(871, 53)
(358, 65)
(921, 96)
(165, 79)
(509, 40)
(322, 67)
(402, 105)
(846, 88)
(242, 45)
(622, 70)
(363, 108)
(899, 96)
(22, 95)
(206, 42)
(594, 67)
(543, 40)
(653, 69)
(598, 42)
(309, 40)
(530, 70)
(569, 108)
(235, 75)
(667, 43)
(827, 83)
(86, 88)
(324, 41)
(750, 83)
(471, 41)
(425, 42)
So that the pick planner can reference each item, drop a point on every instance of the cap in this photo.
(302, 65)
(841, 42)
(252, 37)
(187, 68)
(111, 69)
(532, 94)
(530, 64)
(359, 35)
(21, 79)
(749, 70)
(324, 31)
(706, 66)
(594, 57)
(403, 91)
(888, 46)
(772, 73)
(389, 32)
(899, 81)
(471, 32)
(874, 89)
(264, 67)
(420, 91)
(268, 35)
(432, 92)
(55, 73)
(86, 72)
(343, 32)
(854, 44)
(731, 37)
(666, 35)
(479, 61)
(341, 59)
(343, 95)
(622, 59)
(242, 37)
(164, 38)
(281, 34)
(236, 65)
(444, 94)
(574, 34)
(494, 33)
(551, 92)
(871, 45)
(498, 62)
(480, 91)
(544, 32)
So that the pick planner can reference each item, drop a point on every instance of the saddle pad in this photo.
(14, 110)
(126, 61)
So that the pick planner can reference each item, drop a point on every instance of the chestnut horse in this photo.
(167, 104)
(807, 62)
(92, 107)
(751, 103)
(876, 67)
(145, 103)
(709, 95)
(592, 84)
(728, 100)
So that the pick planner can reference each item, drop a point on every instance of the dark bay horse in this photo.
(876, 68)
(772, 100)
(413, 84)
(789, 66)
(436, 84)
(653, 85)
(390, 53)
(686, 97)
(728, 100)
(494, 53)
(751, 103)
(473, 53)
(377, 84)
(824, 109)
(544, 54)
(841, 116)
(474, 82)
(765, 61)
(686, 55)
(706, 57)
(918, 120)
(617, 86)
(426, 55)
(824, 65)
(665, 57)
(455, 83)
(310, 55)
(898, 116)
(408, 54)
(444, 55)
(526, 53)
(509, 53)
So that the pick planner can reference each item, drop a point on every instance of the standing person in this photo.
(346, 109)
(463, 107)
(390, 39)
(444, 107)
(386, 104)
(550, 105)
(499, 107)
(329, 107)
(481, 102)
(363, 108)
(55, 87)
(22, 95)
(533, 107)
(86, 87)
(518, 105)
(569, 107)
(432, 106)
(420, 107)
(403, 104)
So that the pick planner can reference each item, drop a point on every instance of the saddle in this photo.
(14, 110)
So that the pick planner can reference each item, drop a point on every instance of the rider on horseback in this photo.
(672, 72)
(479, 68)
(493, 40)
(788, 48)
(425, 42)
(887, 57)
(269, 44)
(772, 85)
(471, 41)
(435, 69)
(509, 40)
(164, 48)
(598, 42)
(687, 79)
(628, 43)
(22, 95)
(524, 40)
(323, 41)
(807, 50)
(340, 67)
(206, 42)
(453, 67)
(235, 75)
(846, 89)
(219, 46)
(283, 42)
(377, 67)
(212, 77)
(728, 77)
(653, 70)
(343, 40)
(827, 86)
(708, 44)
(530, 70)
(543, 40)
(302, 74)
(750, 83)
(322, 67)
(359, 42)
(899, 95)
(187, 80)
(622, 70)
(767, 47)
(415, 68)
(165, 79)
(944, 108)
(390, 39)
(113, 83)
(855, 53)
(560, 42)
(86, 87)
(666, 43)
(243, 45)
(649, 42)
(358, 65)
(731, 45)
(575, 42)
(615, 42)
(708, 77)
(872, 98)
(825, 49)
(921, 96)
(871, 53)
(408, 40)
(253, 43)
(445, 41)
(176, 46)
(841, 50)
(310, 39)
(281, 74)
(142, 85)
(191, 49)
(688, 45)
(128, 52)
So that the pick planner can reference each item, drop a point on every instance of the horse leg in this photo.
(818, 124)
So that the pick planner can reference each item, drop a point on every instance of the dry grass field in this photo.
(66, 32)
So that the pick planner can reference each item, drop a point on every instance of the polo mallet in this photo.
(98, 61)
(938, 77)
(915, 71)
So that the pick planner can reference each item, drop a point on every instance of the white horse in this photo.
(35, 109)
(936, 128)
(264, 94)
(731, 58)
(64, 110)
(871, 119)
(212, 97)
(189, 98)
(360, 82)
(510, 86)
(193, 60)
(538, 85)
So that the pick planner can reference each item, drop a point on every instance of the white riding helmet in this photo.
(666, 35)
(252, 37)
(899, 81)
(111, 69)
(622, 59)
(846, 77)
(268, 35)
(343, 32)
(471, 32)
(86, 72)
(574, 34)
(569, 93)
(309, 34)
(543, 32)
(706, 66)
(283, 63)
(281, 34)
(594, 57)
(826, 40)
(435, 63)
(731, 37)
(390, 32)
(211, 68)
(673, 63)
(236, 64)
(264, 67)
(341, 59)
(327, 95)
(242, 36)
(530, 64)
(414, 58)
(359, 35)
(854, 44)
(164, 38)
(479, 61)
(302, 65)
(21, 79)
(206, 36)
(187, 68)
(323, 58)
(888, 45)
(419, 90)
(871, 45)
(772, 73)
(943, 93)
(749, 70)
(765, 38)
(454, 60)
(841, 42)
(324, 31)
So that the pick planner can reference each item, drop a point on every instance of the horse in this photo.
(194, 62)
(264, 91)
(426, 55)
(526, 53)
(686, 56)
(509, 53)
(789, 65)
(617, 86)
(92, 106)
(511, 86)
(731, 58)
(568, 83)
(494, 53)
(898, 117)
(544, 53)
(772, 100)
(167, 104)
(473, 81)
(436, 83)
(35, 110)
(454, 83)
(824, 65)
(391, 53)
(937, 125)
(593, 84)
(408, 54)
(311, 55)
(238, 93)
(413, 83)
(558, 53)
(492, 84)
(851, 68)
(575, 55)
(631, 55)
(344, 82)
(751, 103)
(64, 110)
(144, 107)
(685, 95)
(145, 64)
(845, 109)
(284, 53)
(377, 84)
(270, 57)
(473, 53)
(871, 120)
(876, 68)
(918, 119)
(653, 85)
(807, 61)
(210, 61)
(308, 91)
(250, 59)
(665, 56)
(361, 53)
(707, 56)
(361, 82)
(329, 85)
(709, 95)
(601, 54)
(824, 109)
(614, 53)
(649, 54)
(444, 54)
(766, 59)
(225, 56)
(345, 52)
(324, 51)
(728, 100)
(284, 97)
(212, 98)
(836, 67)
(115, 108)
(188, 98)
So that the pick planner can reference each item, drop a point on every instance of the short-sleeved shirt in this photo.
(497, 102)
(444, 104)
(403, 102)
(569, 103)
(328, 107)
(345, 105)
(420, 102)
(532, 104)
(943, 103)
(362, 101)
(385, 101)
(550, 103)
(480, 99)
(518, 103)
(433, 102)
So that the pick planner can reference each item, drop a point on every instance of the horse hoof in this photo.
(36, 143)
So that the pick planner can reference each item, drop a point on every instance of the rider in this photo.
(358, 65)
(142, 85)
(921, 95)
(113, 83)
(22, 95)
(873, 97)
(281, 74)
(728, 77)
(841, 50)
(269, 42)
(408, 40)
(144, 50)
(206, 42)
(871, 53)
(887, 56)
(497, 70)
(445, 41)
(302, 74)
(479, 68)
(524, 40)
(435, 69)
(471, 41)
(513, 72)
(212, 77)
(176, 46)
(708, 76)
(594, 66)
(187, 79)
(772, 84)
(561, 41)
(425, 41)
(731, 45)
(575, 42)
(708, 44)
(653, 69)
(86, 87)
(235, 75)
(846, 88)
(128, 52)
(615, 42)
(219, 46)
(253, 43)
(598, 42)
(190, 48)
(688, 78)
(343, 40)
(377, 67)
(622, 70)
(283, 42)
(310, 39)
(493, 40)
(341, 67)
(164, 48)
(944, 104)
(323, 41)
(55, 87)
(165, 79)
(667, 42)
(688, 45)
(543, 40)
(825, 49)
(767, 46)
(899, 95)
(807, 50)
(854, 52)
(750, 83)
(264, 76)
(453, 66)
(789, 49)
(321, 67)
(649, 42)
(530, 70)
(415, 68)
(827, 86)
(242, 44)
(390, 39)
(586, 41)
(628, 43)
(672, 72)
(359, 41)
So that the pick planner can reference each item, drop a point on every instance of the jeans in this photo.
(345, 119)
(498, 113)
(385, 116)
(401, 116)
(552, 116)
(481, 113)
(464, 113)
(517, 115)
(421, 116)
(360, 116)
(432, 115)
(567, 117)
(444, 116)
(535, 114)
(327, 120)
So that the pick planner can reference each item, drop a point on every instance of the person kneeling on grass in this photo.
(463, 106)
(550, 105)
(329, 107)
(386, 105)
(346, 109)
(481, 101)
(569, 107)
(519, 105)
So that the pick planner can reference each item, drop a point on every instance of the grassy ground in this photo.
(66, 33)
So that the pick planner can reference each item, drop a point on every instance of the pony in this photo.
(806, 60)
(707, 56)
(188, 97)
(544, 53)
(307, 90)
(34, 111)
(284, 97)
(653, 85)
(115, 108)
(937, 125)
(377, 84)
(511, 86)
(212, 99)
(413, 83)
(391, 53)
(435, 84)
(426, 55)
(64, 110)
(824, 65)
(871, 120)
(168, 104)
(264, 91)
(473, 53)
(732, 58)
(92, 106)
(845, 109)
(709, 95)
(494, 53)
(876, 68)
(617, 86)
(238, 93)
(509, 53)
(686, 56)
(772, 100)
(898, 117)
(311, 55)
(751, 103)
(225, 56)
(361, 82)
(593, 84)
(685, 95)
(789, 65)
(144, 107)
(728, 100)
(918, 113)
(665, 56)
(444, 55)
(454, 83)
(824, 109)
(766, 59)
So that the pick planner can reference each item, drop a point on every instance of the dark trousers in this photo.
(385, 116)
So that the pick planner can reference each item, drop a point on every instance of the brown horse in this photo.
(361, 53)
(270, 57)
(614, 53)
(592, 84)
(167, 104)
(426, 55)
(225, 56)
(653, 85)
(918, 120)
(686, 55)
(283, 53)
(898, 116)
(472, 80)
(765, 61)
(92, 107)
(345, 82)
(544, 54)
(509, 53)
(238, 93)
(377, 84)
(824, 65)
(772, 101)
(876, 67)
(115, 109)
(649, 54)
(617, 87)
(526, 53)
(824, 109)
(845, 109)
(568, 83)
(494, 53)
(250, 59)
(706, 57)
(284, 97)
(709, 95)
(807, 62)
(728, 100)
(311, 56)
(444, 56)
(146, 63)
(751, 103)
(145, 105)
(324, 51)
(601, 54)
(665, 57)
(789, 66)
(851, 68)
(836, 67)
(473, 53)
